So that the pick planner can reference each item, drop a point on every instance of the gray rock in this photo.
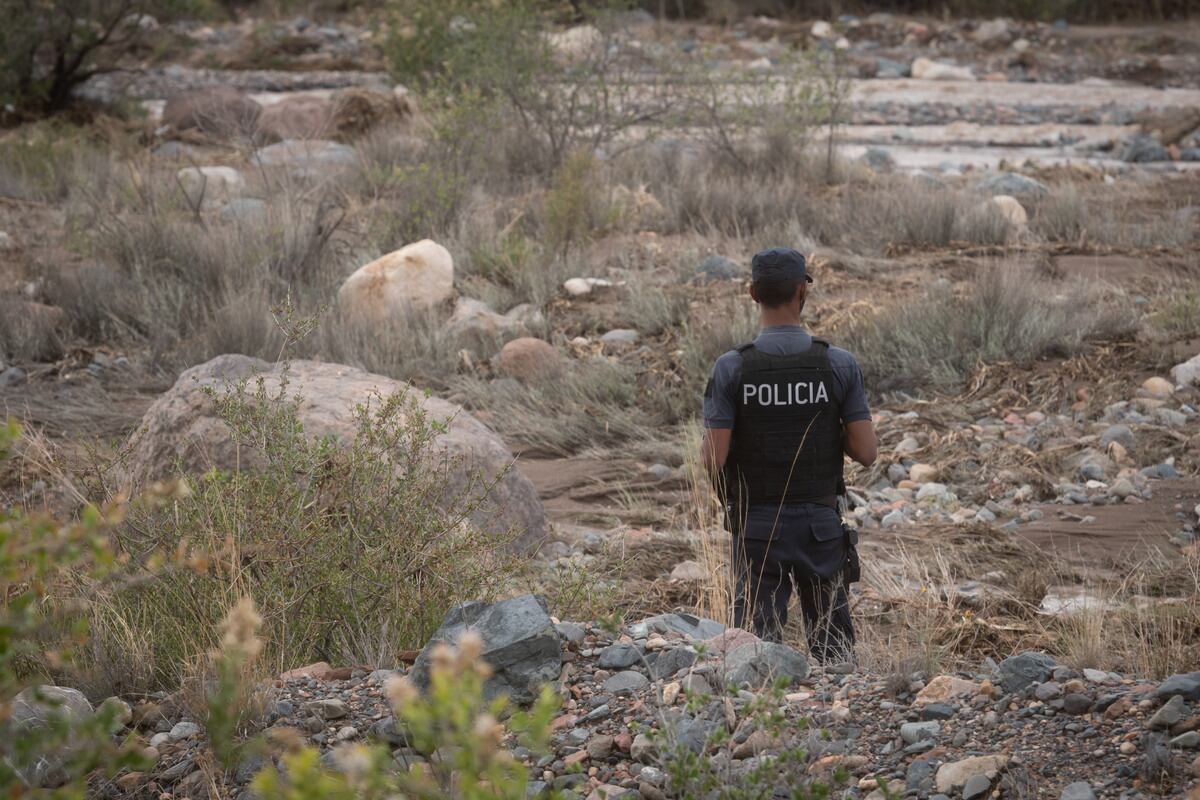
(184, 730)
(625, 682)
(1185, 684)
(243, 209)
(1119, 434)
(1171, 713)
(619, 656)
(1021, 671)
(913, 732)
(1011, 183)
(13, 376)
(1142, 148)
(718, 268)
(937, 711)
(697, 628)
(1048, 691)
(643, 749)
(519, 642)
(668, 662)
(307, 154)
(622, 336)
(389, 730)
(1079, 790)
(761, 663)
(878, 159)
(36, 709)
(570, 632)
(1189, 740)
(976, 787)
(1077, 703)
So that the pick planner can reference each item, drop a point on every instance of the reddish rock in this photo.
(220, 111)
(528, 359)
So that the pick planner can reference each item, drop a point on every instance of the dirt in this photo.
(1118, 534)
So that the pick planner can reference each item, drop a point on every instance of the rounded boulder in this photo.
(419, 275)
(182, 427)
(529, 359)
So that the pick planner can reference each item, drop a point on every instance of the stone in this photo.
(1142, 148)
(1170, 713)
(1012, 184)
(36, 709)
(620, 337)
(625, 682)
(976, 787)
(13, 376)
(6, 241)
(695, 684)
(690, 572)
(1158, 387)
(1187, 373)
(1077, 703)
(576, 42)
(181, 427)
(1010, 209)
(955, 774)
(1185, 684)
(520, 644)
(528, 359)
(306, 154)
(1021, 671)
(922, 473)
(120, 712)
(643, 749)
(1121, 434)
(1090, 464)
(1048, 691)
(600, 747)
(1079, 790)
(619, 656)
(244, 209)
(417, 276)
(994, 31)
(577, 287)
(482, 331)
(718, 268)
(913, 732)
(924, 69)
(761, 663)
(220, 111)
(613, 792)
(300, 116)
(878, 159)
(697, 628)
(937, 711)
(1189, 740)
(318, 671)
(391, 732)
(329, 708)
(205, 187)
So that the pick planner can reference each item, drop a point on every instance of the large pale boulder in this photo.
(924, 69)
(1187, 373)
(220, 111)
(418, 275)
(35, 710)
(182, 425)
(1011, 209)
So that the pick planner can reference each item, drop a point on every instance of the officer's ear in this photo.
(754, 294)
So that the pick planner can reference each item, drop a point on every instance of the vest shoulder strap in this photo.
(742, 348)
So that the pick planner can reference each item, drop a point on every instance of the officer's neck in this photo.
(779, 317)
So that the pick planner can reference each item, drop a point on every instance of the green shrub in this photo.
(345, 547)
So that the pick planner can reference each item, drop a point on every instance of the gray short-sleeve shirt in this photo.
(720, 398)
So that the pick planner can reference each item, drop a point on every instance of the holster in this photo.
(852, 568)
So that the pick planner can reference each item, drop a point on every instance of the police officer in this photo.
(779, 415)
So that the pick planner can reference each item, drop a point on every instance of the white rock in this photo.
(922, 473)
(1011, 209)
(576, 42)
(418, 275)
(577, 287)
(822, 29)
(994, 30)
(184, 730)
(1187, 373)
(6, 241)
(690, 572)
(925, 69)
(209, 186)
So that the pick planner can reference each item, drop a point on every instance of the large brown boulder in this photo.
(219, 111)
(181, 427)
(300, 117)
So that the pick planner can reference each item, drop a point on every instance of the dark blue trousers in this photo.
(801, 548)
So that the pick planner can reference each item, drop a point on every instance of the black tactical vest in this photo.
(787, 434)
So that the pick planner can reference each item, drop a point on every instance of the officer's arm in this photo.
(859, 441)
(715, 448)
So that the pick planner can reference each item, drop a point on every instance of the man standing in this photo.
(779, 415)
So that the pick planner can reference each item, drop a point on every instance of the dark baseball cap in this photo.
(779, 263)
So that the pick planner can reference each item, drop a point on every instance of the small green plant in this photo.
(452, 723)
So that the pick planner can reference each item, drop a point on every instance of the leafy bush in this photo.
(346, 547)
